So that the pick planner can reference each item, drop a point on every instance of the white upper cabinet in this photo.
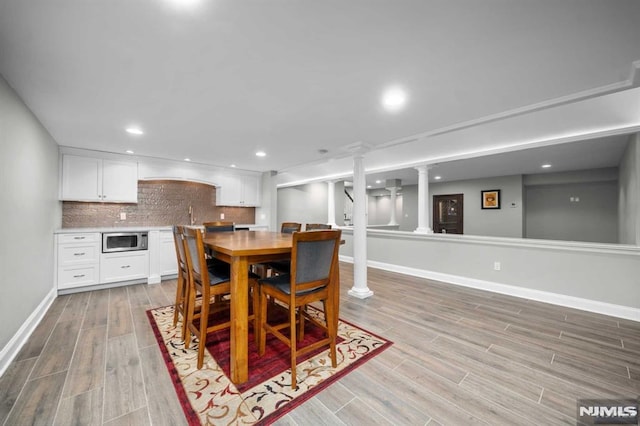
(239, 190)
(95, 179)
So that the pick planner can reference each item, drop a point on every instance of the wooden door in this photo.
(448, 213)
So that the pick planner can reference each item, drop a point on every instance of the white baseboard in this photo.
(595, 306)
(10, 351)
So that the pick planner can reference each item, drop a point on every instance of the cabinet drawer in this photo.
(70, 277)
(78, 254)
(124, 266)
(88, 237)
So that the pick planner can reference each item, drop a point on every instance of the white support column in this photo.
(423, 201)
(360, 288)
(331, 204)
(394, 196)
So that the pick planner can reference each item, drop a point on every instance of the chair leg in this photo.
(191, 307)
(292, 339)
(185, 310)
(331, 330)
(301, 310)
(179, 298)
(257, 326)
(204, 323)
(262, 321)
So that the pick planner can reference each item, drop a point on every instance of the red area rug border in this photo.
(193, 418)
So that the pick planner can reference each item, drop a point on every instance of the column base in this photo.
(360, 293)
(423, 231)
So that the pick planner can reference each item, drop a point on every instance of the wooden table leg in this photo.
(239, 320)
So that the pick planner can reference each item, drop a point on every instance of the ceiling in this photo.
(583, 155)
(218, 80)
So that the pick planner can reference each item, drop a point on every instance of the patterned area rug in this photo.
(207, 395)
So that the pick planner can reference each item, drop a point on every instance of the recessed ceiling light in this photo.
(129, 151)
(187, 159)
(233, 165)
(378, 181)
(261, 154)
(183, 4)
(135, 130)
(368, 186)
(546, 166)
(437, 177)
(394, 99)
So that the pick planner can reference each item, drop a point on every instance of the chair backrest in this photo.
(290, 227)
(180, 255)
(210, 227)
(314, 226)
(194, 255)
(314, 255)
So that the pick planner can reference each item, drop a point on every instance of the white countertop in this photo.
(133, 228)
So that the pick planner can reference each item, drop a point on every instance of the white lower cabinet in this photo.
(77, 276)
(81, 263)
(78, 260)
(124, 266)
(168, 258)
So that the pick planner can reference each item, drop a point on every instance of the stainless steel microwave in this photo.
(124, 241)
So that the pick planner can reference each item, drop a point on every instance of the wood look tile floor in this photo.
(461, 356)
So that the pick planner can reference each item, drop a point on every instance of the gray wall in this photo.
(379, 207)
(504, 222)
(29, 213)
(629, 194)
(551, 215)
(341, 200)
(304, 203)
(593, 275)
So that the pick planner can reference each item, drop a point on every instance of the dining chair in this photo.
(283, 266)
(315, 226)
(211, 284)
(290, 227)
(219, 227)
(314, 257)
(183, 280)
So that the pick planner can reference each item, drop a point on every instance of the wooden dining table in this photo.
(241, 249)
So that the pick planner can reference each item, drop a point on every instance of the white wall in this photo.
(29, 213)
(629, 194)
(267, 213)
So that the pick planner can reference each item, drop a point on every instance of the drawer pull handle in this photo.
(78, 238)
(126, 266)
(79, 254)
(78, 276)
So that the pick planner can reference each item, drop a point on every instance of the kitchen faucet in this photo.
(192, 219)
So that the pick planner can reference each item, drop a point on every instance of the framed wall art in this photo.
(490, 199)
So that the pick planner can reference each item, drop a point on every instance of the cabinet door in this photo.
(77, 276)
(124, 266)
(230, 193)
(119, 181)
(81, 178)
(251, 189)
(168, 258)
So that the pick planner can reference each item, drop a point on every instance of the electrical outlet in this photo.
(222, 216)
(497, 266)
(123, 216)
